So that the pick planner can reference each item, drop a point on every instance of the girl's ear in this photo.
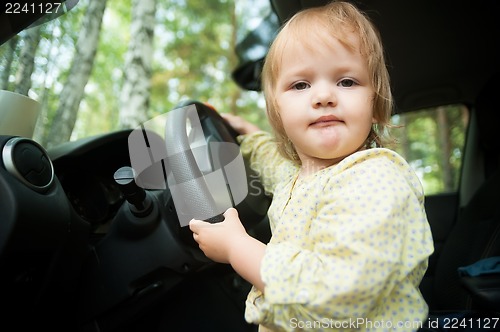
(374, 120)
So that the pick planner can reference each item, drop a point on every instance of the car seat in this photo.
(476, 235)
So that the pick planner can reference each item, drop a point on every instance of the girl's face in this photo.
(325, 100)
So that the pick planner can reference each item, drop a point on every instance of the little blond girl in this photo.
(350, 238)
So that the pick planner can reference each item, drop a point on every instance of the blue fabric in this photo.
(489, 265)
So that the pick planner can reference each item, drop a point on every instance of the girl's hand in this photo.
(228, 242)
(239, 124)
(217, 240)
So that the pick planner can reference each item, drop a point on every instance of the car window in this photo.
(85, 81)
(432, 141)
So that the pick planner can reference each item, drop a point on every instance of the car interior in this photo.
(474, 235)
(61, 268)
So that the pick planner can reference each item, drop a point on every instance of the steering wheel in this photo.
(199, 144)
(193, 131)
(199, 165)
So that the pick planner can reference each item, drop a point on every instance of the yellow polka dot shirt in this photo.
(350, 243)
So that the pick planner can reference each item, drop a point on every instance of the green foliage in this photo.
(194, 59)
(433, 145)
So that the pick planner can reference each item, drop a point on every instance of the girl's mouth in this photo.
(325, 120)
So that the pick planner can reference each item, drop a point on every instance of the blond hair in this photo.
(335, 20)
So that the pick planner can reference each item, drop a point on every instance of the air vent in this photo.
(28, 161)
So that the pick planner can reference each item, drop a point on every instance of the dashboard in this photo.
(85, 170)
(68, 236)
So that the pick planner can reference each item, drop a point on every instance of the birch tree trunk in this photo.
(9, 57)
(233, 59)
(80, 70)
(135, 93)
(41, 126)
(27, 60)
(443, 138)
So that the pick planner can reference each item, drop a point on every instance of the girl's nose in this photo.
(324, 96)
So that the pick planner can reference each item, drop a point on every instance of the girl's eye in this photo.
(346, 83)
(300, 86)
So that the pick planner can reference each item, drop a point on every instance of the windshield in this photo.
(111, 65)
